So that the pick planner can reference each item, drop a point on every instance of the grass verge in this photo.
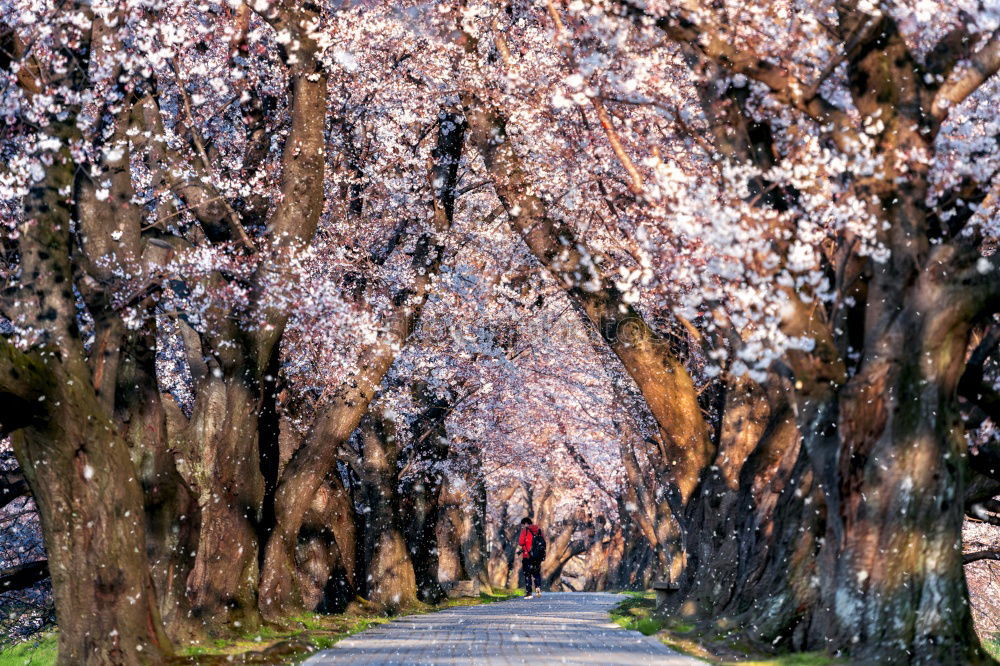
(309, 633)
(287, 645)
(39, 650)
(992, 645)
(636, 613)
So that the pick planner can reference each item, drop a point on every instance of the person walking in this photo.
(532, 549)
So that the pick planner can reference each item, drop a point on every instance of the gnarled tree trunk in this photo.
(902, 471)
(172, 516)
(219, 459)
(91, 508)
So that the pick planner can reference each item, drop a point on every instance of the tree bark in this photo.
(172, 514)
(90, 506)
(391, 582)
(280, 593)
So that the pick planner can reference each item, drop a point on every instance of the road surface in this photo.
(558, 628)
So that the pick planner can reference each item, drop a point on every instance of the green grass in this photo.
(311, 632)
(38, 650)
(304, 635)
(992, 645)
(637, 614)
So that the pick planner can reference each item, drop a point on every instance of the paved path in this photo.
(558, 628)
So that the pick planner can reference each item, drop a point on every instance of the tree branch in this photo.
(969, 558)
(710, 43)
(23, 575)
(966, 80)
(232, 217)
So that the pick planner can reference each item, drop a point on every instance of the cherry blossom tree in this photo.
(306, 301)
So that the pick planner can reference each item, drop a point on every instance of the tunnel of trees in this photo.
(310, 302)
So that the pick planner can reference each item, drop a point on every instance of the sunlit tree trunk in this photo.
(901, 473)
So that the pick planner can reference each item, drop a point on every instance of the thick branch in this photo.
(23, 575)
(987, 518)
(636, 184)
(192, 184)
(711, 43)
(293, 223)
(966, 80)
(969, 558)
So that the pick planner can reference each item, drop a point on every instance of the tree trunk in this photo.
(320, 569)
(636, 559)
(218, 450)
(474, 550)
(220, 461)
(303, 476)
(391, 581)
(172, 516)
(749, 541)
(91, 509)
(421, 506)
(502, 536)
(326, 551)
(422, 489)
(902, 463)
(216, 453)
(450, 565)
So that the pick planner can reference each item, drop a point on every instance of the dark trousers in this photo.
(532, 575)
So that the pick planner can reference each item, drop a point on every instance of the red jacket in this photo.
(524, 541)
